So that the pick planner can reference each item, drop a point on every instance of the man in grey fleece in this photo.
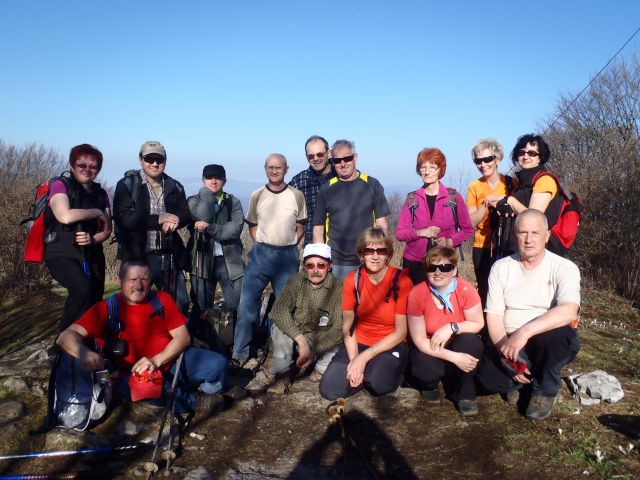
(308, 313)
(215, 244)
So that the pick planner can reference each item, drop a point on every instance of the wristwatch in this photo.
(454, 328)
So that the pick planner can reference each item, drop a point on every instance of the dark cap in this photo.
(216, 171)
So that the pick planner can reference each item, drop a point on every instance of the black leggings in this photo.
(82, 292)
(427, 371)
(383, 373)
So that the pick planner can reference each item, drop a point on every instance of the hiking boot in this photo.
(315, 376)
(260, 383)
(236, 363)
(540, 407)
(281, 384)
(236, 393)
(207, 404)
(431, 396)
(467, 407)
(389, 399)
(513, 396)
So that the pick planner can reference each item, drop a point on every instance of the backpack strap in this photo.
(509, 183)
(413, 205)
(112, 322)
(394, 287)
(358, 279)
(156, 303)
(132, 181)
(228, 205)
(561, 190)
(454, 212)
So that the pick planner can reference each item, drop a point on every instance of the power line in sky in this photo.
(592, 80)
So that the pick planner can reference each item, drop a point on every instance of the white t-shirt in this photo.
(521, 295)
(276, 215)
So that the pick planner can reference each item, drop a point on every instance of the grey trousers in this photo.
(282, 358)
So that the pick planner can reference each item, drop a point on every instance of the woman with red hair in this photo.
(428, 216)
(77, 221)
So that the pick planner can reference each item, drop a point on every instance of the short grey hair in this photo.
(488, 144)
(532, 212)
(340, 144)
(279, 156)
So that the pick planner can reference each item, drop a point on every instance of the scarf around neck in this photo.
(445, 297)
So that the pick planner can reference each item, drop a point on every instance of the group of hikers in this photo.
(348, 319)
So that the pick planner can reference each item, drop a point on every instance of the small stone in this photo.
(584, 399)
(15, 385)
(199, 473)
(63, 439)
(37, 391)
(197, 436)
(127, 427)
(10, 410)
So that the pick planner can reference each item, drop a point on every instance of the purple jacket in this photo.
(442, 217)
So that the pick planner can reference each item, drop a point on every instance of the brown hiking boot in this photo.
(281, 384)
(540, 407)
(260, 383)
(208, 404)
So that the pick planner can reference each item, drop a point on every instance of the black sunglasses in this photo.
(151, 159)
(488, 159)
(338, 161)
(443, 267)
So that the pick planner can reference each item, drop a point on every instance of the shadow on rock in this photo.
(369, 453)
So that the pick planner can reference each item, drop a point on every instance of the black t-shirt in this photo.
(346, 209)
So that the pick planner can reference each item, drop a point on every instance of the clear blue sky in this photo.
(229, 82)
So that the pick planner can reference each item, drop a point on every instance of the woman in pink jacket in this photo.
(428, 216)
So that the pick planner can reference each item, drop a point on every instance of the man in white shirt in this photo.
(532, 310)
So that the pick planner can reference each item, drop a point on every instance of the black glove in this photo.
(503, 208)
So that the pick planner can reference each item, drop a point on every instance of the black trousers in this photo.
(427, 371)
(82, 291)
(383, 373)
(482, 266)
(548, 353)
(417, 273)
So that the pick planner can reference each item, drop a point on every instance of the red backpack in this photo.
(571, 208)
(34, 247)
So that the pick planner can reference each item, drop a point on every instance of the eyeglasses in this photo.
(488, 159)
(82, 166)
(443, 267)
(531, 153)
(211, 177)
(311, 156)
(429, 168)
(154, 159)
(319, 266)
(380, 251)
(338, 161)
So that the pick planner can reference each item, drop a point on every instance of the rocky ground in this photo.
(291, 436)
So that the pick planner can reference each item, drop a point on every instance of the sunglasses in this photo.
(311, 156)
(531, 153)
(151, 160)
(82, 166)
(380, 251)
(488, 159)
(443, 267)
(338, 161)
(319, 266)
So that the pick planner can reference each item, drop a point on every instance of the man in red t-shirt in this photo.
(153, 341)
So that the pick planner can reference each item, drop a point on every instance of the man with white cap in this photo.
(149, 207)
(308, 313)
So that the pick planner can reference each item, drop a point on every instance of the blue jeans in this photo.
(341, 271)
(206, 289)
(181, 297)
(267, 263)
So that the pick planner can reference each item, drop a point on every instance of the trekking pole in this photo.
(500, 246)
(151, 467)
(68, 453)
(335, 411)
(83, 255)
(457, 227)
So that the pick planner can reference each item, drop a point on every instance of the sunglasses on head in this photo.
(338, 161)
(443, 267)
(82, 166)
(151, 159)
(311, 156)
(319, 265)
(488, 159)
(380, 251)
(531, 153)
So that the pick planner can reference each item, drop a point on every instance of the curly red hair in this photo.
(432, 155)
